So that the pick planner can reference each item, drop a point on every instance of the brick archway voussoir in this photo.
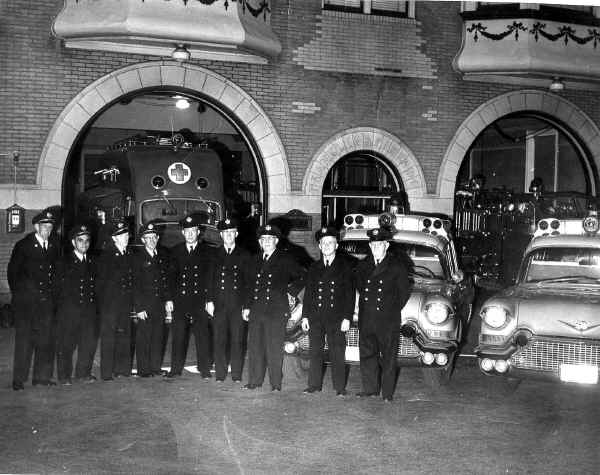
(96, 96)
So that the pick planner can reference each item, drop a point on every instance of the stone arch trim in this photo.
(516, 101)
(365, 138)
(91, 100)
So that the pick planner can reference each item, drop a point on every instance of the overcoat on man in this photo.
(269, 283)
(150, 292)
(328, 300)
(115, 295)
(31, 278)
(227, 289)
(189, 281)
(77, 316)
(384, 290)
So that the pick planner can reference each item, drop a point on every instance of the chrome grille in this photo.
(406, 348)
(547, 355)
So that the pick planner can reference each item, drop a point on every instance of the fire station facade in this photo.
(307, 84)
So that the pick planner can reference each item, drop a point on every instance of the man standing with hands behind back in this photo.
(273, 274)
(31, 271)
(226, 295)
(327, 310)
(383, 286)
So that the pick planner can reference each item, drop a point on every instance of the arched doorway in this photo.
(360, 182)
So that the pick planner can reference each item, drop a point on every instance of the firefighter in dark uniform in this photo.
(273, 274)
(77, 315)
(115, 299)
(383, 286)
(31, 273)
(327, 309)
(151, 298)
(226, 297)
(191, 268)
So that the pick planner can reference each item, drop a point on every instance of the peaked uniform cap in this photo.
(79, 230)
(326, 231)
(43, 217)
(269, 230)
(119, 227)
(191, 221)
(148, 228)
(379, 234)
(229, 223)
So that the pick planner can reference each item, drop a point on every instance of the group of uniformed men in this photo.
(126, 298)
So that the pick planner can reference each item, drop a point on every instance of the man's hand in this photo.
(210, 308)
(142, 315)
(245, 314)
(345, 325)
(305, 325)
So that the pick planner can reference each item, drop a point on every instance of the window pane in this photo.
(389, 5)
(544, 160)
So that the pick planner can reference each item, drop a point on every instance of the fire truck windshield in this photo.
(175, 209)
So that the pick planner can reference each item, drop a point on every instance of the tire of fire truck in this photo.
(295, 367)
(435, 377)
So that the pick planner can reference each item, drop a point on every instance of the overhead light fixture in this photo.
(557, 85)
(181, 53)
(182, 103)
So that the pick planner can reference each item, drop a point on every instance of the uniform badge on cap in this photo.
(49, 215)
(267, 227)
(120, 225)
(188, 219)
(227, 221)
(151, 226)
(83, 228)
(375, 232)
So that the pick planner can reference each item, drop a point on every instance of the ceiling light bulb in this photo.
(182, 104)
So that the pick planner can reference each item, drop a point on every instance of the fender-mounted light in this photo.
(501, 366)
(437, 313)
(486, 364)
(441, 359)
(386, 220)
(494, 316)
(359, 219)
(289, 347)
(427, 358)
(590, 223)
(348, 220)
(522, 338)
(543, 225)
(407, 331)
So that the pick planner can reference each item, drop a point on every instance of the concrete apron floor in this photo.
(188, 425)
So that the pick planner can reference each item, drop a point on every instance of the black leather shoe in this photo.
(220, 380)
(18, 386)
(172, 375)
(66, 382)
(388, 399)
(89, 379)
(49, 382)
(310, 390)
(236, 380)
(341, 393)
(276, 388)
(206, 376)
(110, 378)
(250, 386)
(366, 394)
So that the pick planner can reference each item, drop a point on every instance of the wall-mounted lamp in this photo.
(556, 85)
(181, 53)
(181, 102)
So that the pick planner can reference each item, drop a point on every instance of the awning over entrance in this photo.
(225, 30)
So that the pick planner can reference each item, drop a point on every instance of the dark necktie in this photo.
(84, 260)
(265, 257)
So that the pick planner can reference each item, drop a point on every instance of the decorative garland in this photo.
(536, 30)
(262, 7)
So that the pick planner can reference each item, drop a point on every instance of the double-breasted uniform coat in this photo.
(268, 286)
(31, 278)
(328, 300)
(227, 289)
(383, 291)
(115, 296)
(191, 271)
(77, 315)
(150, 292)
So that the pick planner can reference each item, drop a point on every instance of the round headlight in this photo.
(441, 359)
(426, 222)
(359, 219)
(555, 224)
(437, 224)
(494, 317)
(427, 358)
(386, 219)
(486, 364)
(348, 220)
(543, 225)
(437, 312)
(289, 347)
(590, 224)
(501, 366)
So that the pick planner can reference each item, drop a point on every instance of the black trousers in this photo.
(336, 341)
(228, 328)
(76, 329)
(378, 370)
(148, 343)
(115, 344)
(265, 349)
(34, 337)
(180, 337)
